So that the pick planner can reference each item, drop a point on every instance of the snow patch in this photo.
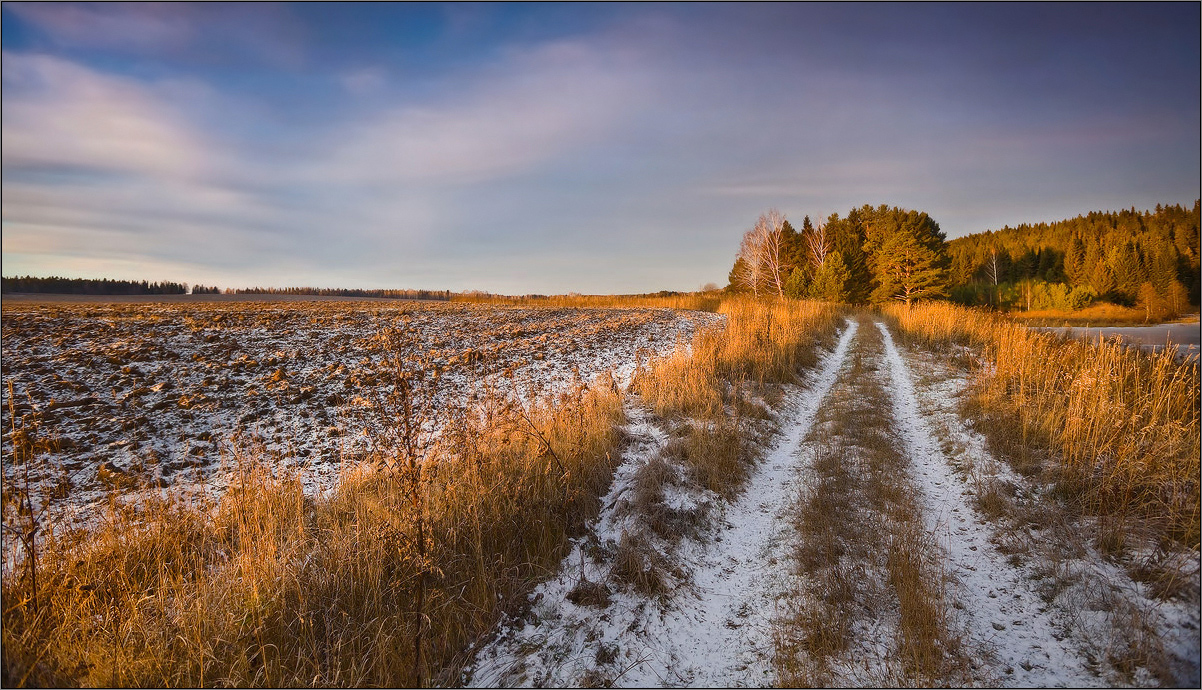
(715, 627)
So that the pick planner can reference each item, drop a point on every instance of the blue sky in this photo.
(552, 148)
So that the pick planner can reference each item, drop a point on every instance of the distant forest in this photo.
(341, 292)
(83, 286)
(880, 254)
(1128, 258)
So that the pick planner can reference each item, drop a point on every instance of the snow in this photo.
(998, 609)
(169, 392)
(1035, 642)
(715, 628)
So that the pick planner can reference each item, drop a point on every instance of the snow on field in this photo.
(161, 394)
(1040, 637)
(714, 628)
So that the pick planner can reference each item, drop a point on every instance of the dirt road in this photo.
(877, 543)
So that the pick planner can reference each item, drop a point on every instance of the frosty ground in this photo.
(1026, 603)
(129, 397)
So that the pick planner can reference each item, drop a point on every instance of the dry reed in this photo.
(1122, 425)
(392, 578)
(385, 581)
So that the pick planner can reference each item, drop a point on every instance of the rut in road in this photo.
(856, 555)
(997, 608)
(714, 628)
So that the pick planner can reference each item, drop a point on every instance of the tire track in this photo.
(716, 630)
(997, 608)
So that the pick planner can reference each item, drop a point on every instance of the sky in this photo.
(553, 148)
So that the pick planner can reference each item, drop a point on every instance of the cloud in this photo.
(148, 27)
(59, 114)
(540, 105)
(365, 80)
(200, 32)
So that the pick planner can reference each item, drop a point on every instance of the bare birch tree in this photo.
(819, 244)
(748, 270)
(991, 272)
(761, 265)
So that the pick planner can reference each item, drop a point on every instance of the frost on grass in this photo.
(1031, 586)
(692, 604)
(144, 396)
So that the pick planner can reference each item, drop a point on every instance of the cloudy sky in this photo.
(556, 148)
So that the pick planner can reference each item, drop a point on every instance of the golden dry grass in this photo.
(1121, 426)
(391, 578)
(714, 381)
(862, 550)
(1102, 314)
(386, 581)
(698, 301)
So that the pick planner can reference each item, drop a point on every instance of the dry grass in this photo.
(715, 381)
(1102, 314)
(385, 581)
(697, 301)
(1120, 427)
(391, 578)
(863, 551)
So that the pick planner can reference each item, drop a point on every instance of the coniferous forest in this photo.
(83, 286)
(881, 254)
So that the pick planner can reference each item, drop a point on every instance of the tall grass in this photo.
(1122, 425)
(763, 342)
(392, 577)
(716, 380)
(694, 301)
(385, 581)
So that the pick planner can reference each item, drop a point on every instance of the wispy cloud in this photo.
(541, 105)
(207, 32)
(60, 114)
(491, 147)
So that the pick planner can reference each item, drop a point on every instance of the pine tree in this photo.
(908, 270)
(1074, 262)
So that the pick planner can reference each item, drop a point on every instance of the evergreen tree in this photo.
(1127, 271)
(1074, 262)
(792, 249)
(847, 239)
(830, 280)
(733, 280)
(908, 270)
(797, 285)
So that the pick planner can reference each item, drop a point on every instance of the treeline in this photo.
(1148, 258)
(84, 286)
(874, 254)
(344, 292)
(880, 254)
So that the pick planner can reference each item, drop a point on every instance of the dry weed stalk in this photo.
(1122, 425)
(385, 581)
(389, 579)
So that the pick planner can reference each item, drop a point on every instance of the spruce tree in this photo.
(908, 270)
(830, 280)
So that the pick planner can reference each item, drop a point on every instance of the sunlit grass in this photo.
(1122, 425)
(391, 578)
